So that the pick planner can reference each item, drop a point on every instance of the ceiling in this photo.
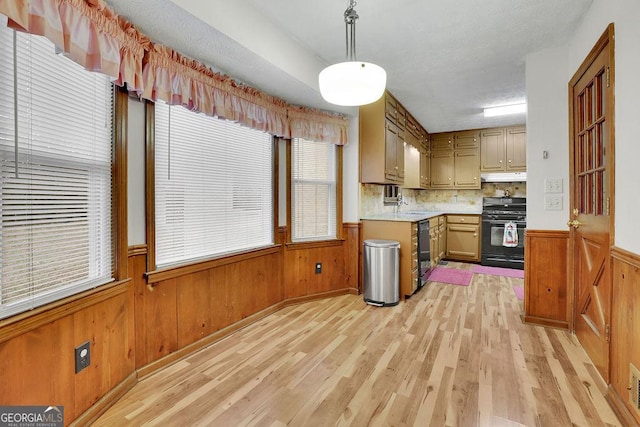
(445, 60)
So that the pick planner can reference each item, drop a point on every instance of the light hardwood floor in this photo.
(448, 356)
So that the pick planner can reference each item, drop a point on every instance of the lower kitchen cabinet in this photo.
(438, 234)
(406, 233)
(463, 237)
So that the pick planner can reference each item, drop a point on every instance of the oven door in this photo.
(494, 253)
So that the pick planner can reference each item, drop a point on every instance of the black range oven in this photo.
(496, 213)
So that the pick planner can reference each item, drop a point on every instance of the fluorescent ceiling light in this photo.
(504, 110)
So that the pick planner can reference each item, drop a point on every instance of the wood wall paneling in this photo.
(300, 278)
(547, 300)
(351, 233)
(37, 367)
(625, 328)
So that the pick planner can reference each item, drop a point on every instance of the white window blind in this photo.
(56, 201)
(214, 186)
(314, 190)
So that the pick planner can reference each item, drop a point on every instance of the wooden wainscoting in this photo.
(179, 311)
(37, 352)
(352, 233)
(547, 300)
(625, 330)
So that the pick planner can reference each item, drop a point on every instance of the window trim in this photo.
(155, 274)
(339, 232)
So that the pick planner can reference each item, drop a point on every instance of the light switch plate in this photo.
(553, 185)
(553, 202)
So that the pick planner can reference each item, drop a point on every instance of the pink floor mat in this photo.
(451, 276)
(498, 271)
(519, 291)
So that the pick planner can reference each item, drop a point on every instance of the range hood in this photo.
(504, 177)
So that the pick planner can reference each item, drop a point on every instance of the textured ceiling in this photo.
(445, 60)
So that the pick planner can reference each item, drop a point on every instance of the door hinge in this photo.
(608, 76)
(607, 332)
(608, 206)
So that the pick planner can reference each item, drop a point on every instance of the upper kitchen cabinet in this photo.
(503, 150)
(386, 128)
(382, 137)
(455, 160)
(442, 141)
(466, 139)
(416, 155)
(516, 144)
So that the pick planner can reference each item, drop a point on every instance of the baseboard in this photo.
(619, 408)
(105, 402)
(546, 322)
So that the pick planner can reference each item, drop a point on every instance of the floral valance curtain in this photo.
(92, 35)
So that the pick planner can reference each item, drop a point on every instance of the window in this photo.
(56, 213)
(313, 196)
(213, 186)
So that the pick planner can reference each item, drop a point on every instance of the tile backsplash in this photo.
(371, 196)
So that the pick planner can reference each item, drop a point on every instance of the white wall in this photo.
(547, 130)
(548, 115)
(136, 171)
(351, 175)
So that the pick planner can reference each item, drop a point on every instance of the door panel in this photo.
(591, 192)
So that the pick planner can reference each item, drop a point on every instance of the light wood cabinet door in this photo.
(434, 246)
(466, 139)
(463, 237)
(400, 144)
(442, 237)
(425, 168)
(516, 149)
(442, 141)
(466, 169)
(492, 150)
(441, 169)
(391, 152)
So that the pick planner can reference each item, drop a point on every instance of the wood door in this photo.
(591, 148)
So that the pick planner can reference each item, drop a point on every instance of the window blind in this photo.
(314, 190)
(56, 200)
(214, 186)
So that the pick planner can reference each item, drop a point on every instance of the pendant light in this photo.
(353, 82)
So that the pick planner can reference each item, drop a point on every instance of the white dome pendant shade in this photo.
(352, 83)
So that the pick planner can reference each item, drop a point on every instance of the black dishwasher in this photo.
(424, 252)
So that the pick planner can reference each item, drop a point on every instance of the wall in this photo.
(548, 73)
(547, 130)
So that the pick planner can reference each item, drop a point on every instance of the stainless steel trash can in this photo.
(381, 264)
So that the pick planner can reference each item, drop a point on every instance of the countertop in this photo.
(413, 216)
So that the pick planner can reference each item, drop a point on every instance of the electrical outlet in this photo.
(553, 202)
(83, 356)
(553, 185)
(318, 267)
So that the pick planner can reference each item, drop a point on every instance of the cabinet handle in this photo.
(500, 161)
(475, 234)
(449, 179)
(475, 178)
(474, 140)
(461, 219)
(509, 160)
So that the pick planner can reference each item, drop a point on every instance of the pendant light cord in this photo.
(350, 18)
